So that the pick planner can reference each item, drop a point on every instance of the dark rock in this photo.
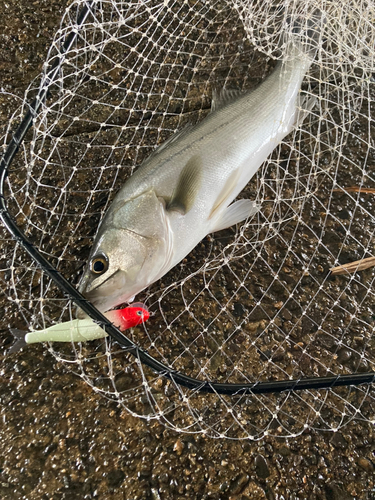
(239, 483)
(261, 467)
(338, 441)
(334, 492)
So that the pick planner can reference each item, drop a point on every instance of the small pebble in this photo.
(178, 446)
(344, 355)
(366, 464)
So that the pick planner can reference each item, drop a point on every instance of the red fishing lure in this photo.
(130, 316)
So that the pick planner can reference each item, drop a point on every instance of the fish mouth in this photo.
(103, 304)
(105, 295)
(87, 288)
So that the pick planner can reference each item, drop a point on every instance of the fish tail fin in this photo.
(304, 35)
(301, 41)
(19, 335)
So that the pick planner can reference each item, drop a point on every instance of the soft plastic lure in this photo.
(82, 330)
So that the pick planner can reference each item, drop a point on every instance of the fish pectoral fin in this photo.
(187, 187)
(235, 213)
(225, 193)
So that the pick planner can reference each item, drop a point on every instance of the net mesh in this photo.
(255, 302)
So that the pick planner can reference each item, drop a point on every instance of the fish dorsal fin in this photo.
(224, 194)
(187, 187)
(222, 97)
(169, 141)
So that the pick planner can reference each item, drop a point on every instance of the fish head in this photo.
(113, 268)
(127, 254)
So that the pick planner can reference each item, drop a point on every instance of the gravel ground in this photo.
(60, 440)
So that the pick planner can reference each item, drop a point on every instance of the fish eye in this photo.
(99, 264)
(139, 313)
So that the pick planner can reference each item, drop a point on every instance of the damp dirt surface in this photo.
(61, 440)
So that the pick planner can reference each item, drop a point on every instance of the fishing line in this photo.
(126, 343)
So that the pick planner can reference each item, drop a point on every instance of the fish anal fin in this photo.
(187, 187)
(235, 213)
(225, 193)
(222, 97)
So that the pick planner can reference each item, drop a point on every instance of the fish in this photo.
(82, 330)
(184, 190)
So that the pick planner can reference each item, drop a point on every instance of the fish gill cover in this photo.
(255, 302)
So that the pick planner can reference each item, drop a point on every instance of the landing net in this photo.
(255, 302)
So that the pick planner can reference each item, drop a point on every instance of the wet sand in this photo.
(60, 440)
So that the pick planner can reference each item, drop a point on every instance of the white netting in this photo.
(254, 302)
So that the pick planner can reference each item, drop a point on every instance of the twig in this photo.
(352, 267)
(355, 189)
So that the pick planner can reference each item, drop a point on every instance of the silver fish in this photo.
(185, 189)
